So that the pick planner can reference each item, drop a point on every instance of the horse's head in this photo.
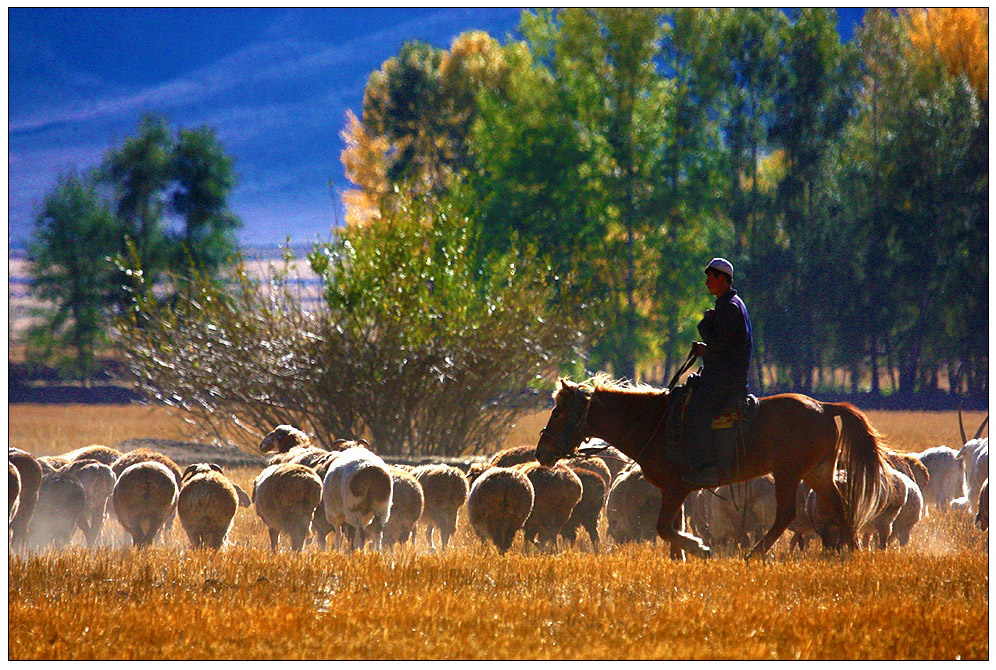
(564, 430)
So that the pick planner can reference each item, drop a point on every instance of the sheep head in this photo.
(283, 438)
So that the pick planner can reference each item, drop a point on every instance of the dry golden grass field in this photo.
(929, 600)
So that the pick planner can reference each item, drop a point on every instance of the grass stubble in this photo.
(929, 600)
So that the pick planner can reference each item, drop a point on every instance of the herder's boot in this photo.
(703, 473)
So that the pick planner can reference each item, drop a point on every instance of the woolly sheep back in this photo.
(94, 452)
(445, 490)
(61, 500)
(632, 507)
(144, 498)
(29, 471)
(13, 493)
(407, 505)
(357, 492)
(556, 492)
(98, 482)
(207, 505)
(588, 510)
(143, 455)
(510, 456)
(498, 505)
(285, 496)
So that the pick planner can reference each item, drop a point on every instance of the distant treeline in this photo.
(847, 182)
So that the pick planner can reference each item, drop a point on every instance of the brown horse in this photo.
(794, 437)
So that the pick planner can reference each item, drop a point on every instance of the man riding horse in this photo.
(722, 383)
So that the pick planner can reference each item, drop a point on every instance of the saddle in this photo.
(726, 430)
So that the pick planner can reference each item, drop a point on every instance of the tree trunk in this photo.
(875, 385)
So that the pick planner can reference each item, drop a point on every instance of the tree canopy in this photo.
(157, 203)
(629, 146)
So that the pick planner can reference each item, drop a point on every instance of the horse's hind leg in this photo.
(784, 515)
(671, 499)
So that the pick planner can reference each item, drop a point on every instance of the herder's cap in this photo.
(721, 265)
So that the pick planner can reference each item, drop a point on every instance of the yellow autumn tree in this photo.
(365, 163)
(418, 109)
(959, 36)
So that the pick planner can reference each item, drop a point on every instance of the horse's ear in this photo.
(563, 387)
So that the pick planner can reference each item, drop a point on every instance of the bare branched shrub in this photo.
(416, 344)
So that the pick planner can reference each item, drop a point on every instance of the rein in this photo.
(593, 451)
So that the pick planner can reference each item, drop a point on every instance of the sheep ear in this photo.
(244, 500)
(215, 467)
(189, 470)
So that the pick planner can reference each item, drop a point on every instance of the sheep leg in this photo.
(298, 536)
(349, 534)
(378, 532)
(274, 536)
(592, 529)
(86, 528)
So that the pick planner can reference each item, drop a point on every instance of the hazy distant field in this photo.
(928, 601)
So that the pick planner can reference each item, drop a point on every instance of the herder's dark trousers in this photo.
(707, 401)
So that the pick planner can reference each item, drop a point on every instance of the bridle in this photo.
(577, 417)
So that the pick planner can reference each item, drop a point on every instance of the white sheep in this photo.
(975, 456)
(735, 514)
(947, 476)
(910, 513)
(898, 508)
(357, 493)
(207, 504)
(144, 498)
(285, 496)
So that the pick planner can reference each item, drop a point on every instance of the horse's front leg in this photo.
(672, 498)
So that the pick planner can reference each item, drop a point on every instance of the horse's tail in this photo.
(861, 454)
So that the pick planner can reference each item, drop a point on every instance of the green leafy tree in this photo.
(151, 183)
(204, 177)
(816, 94)
(604, 62)
(74, 237)
(155, 177)
(140, 173)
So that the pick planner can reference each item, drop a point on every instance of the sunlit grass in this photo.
(473, 604)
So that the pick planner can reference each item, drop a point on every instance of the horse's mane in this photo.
(602, 381)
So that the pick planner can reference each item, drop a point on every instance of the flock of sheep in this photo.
(349, 492)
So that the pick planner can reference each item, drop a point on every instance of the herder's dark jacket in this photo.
(729, 339)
